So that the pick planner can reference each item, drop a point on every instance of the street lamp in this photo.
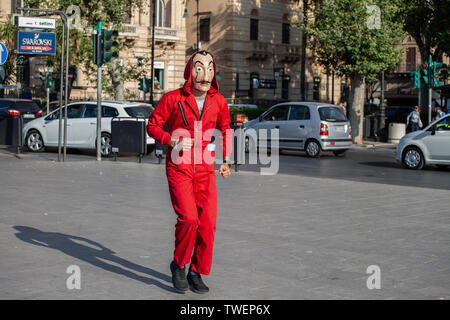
(153, 52)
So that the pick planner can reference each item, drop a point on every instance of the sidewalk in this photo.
(278, 237)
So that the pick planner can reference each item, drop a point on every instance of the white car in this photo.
(428, 146)
(82, 125)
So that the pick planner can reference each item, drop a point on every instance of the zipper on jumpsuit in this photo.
(195, 125)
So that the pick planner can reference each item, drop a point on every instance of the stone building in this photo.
(257, 49)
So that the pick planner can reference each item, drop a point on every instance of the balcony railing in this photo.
(164, 33)
(259, 51)
(129, 30)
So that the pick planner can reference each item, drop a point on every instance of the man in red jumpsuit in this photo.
(192, 113)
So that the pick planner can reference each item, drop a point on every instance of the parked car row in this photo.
(82, 125)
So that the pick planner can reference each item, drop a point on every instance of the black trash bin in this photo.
(128, 135)
(11, 132)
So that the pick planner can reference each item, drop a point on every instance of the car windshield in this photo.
(332, 114)
(139, 111)
(27, 106)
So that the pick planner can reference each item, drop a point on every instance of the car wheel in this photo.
(34, 141)
(106, 145)
(413, 158)
(312, 148)
(339, 153)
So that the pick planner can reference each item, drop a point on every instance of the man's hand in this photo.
(225, 170)
(184, 144)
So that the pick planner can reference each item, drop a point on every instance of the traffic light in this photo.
(424, 73)
(145, 84)
(50, 81)
(439, 69)
(415, 77)
(109, 45)
(141, 85)
(95, 54)
(47, 79)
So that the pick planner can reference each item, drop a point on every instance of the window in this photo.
(285, 33)
(332, 114)
(160, 13)
(139, 111)
(411, 59)
(276, 114)
(159, 79)
(299, 113)
(91, 111)
(253, 29)
(443, 125)
(204, 29)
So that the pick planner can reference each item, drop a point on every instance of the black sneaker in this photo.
(196, 283)
(179, 277)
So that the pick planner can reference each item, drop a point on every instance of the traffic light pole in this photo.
(99, 92)
(430, 87)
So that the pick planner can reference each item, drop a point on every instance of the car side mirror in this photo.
(433, 130)
(260, 118)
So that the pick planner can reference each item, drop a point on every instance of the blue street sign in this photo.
(36, 43)
(3, 53)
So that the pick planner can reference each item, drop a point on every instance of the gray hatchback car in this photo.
(309, 126)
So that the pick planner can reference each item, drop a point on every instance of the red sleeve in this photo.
(223, 124)
(157, 120)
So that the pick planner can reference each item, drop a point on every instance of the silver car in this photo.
(428, 146)
(310, 126)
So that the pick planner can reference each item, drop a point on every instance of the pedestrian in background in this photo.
(413, 119)
(439, 113)
(344, 107)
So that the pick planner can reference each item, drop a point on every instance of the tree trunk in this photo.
(115, 74)
(357, 107)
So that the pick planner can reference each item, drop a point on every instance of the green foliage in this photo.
(428, 23)
(342, 41)
(112, 14)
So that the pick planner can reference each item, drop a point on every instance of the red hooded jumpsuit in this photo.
(192, 184)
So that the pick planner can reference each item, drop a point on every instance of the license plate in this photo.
(339, 129)
(28, 115)
(158, 152)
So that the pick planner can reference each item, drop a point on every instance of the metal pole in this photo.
(99, 93)
(61, 84)
(153, 53)
(382, 122)
(430, 87)
(332, 87)
(66, 94)
(197, 29)
(48, 100)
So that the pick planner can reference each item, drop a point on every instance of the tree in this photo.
(428, 21)
(112, 14)
(349, 38)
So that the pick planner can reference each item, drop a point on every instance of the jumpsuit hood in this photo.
(188, 77)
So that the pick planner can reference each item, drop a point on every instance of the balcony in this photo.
(288, 53)
(259, 51)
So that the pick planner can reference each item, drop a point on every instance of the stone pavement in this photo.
(278, 237)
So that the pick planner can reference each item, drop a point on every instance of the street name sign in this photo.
(36, 23)
(3, 53)
(43, 43)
